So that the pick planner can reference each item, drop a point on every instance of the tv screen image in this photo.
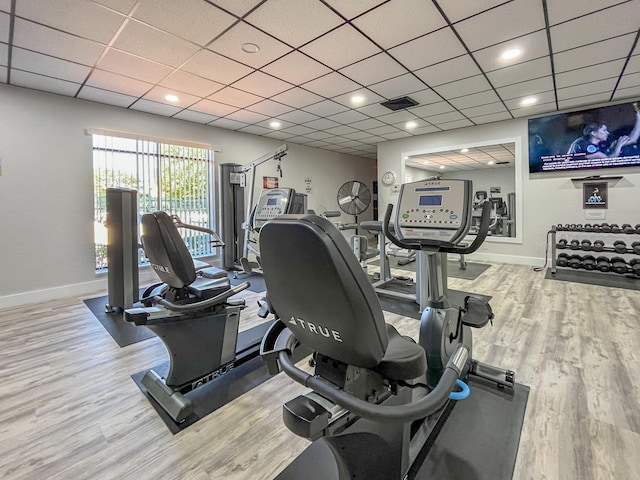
(605, 137)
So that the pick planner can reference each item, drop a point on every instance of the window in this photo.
(177, 179)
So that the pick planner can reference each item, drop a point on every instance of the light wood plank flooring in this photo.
(69, 409)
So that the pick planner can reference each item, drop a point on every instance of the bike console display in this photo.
(437, 212)
(273, 203)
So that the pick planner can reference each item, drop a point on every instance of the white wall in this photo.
(46, 187)
(547, 199)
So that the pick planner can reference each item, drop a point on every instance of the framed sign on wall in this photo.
(595, 195)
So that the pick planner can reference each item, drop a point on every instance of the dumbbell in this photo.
(562, 260)
(598, 246)
(574, 244)
(615, 228)
(605, 228)
(597, 228)
(559, 227)
(618, 265)
(619, 246)
(579, 227)
(603, 264)
(588, 227)
(575, 261)
(562, 243)
(636, 247)
(585, 245)
(589, 262)
(635, 266)
(638, 228)
(627, 228)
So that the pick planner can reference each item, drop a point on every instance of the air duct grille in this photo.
(399, 103)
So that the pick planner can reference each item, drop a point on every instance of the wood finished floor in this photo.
(69, 409)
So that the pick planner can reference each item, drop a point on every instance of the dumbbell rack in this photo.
(608, 238)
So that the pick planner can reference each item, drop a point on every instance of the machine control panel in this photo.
(272, 203)
(438, 210)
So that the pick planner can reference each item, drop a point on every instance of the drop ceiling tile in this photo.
(428, 50)
(521, 72)
(246, 116)
(4, 27)
(279, 135)
(572, 34)
(325, 108)
(228, 124)
(298, 116)
(514, 19)
(532, 46)
(629, 81)
(331, 85)
(296, 68)
(341, 130)
(4, 54)
(425, 130)
(190, 83)
(457, 10)
(3, 74)
(157, 94)
(122, 6)
(154, 44)
(298, 130)
(288, 20)
(484, 110)
(213, 108)
(464, 87)
(590, 74)
(154, 107)
(58, 44)
(318, 144)
(270, 108)
(634, 64)
(133, 66)
(193, 20)
(49, 66)
(622, 93)
(216, 67)
(604, 51)
(580, 101)
(399, 21)
(255, 130)
(358, 135)
(426, 96)
(398, 86)
(368, 124)
(230, 45)
(368, 96)
(105, 96)
(267, 124)
(330, 48)
(398, 117)
(237, 7)
(425, 111)
(5, 5)
(40, 82)
(262, 84)
(592, 88)
(545, 98)
(374, 110)
(195, 117)
(448, 71)
(445, 118)
(525, 89)
(456, 124)
(374, 69)
(353, 8)
(482, 98)
(300, 140)
(234, 97)
(533, 110)
(322, 124)
(78, 17)
(350, 116)
(319, 135)
(118, 83)
(297, 97)
(492, 117)
(396, 135)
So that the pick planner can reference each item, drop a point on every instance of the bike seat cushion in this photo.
(404, 358)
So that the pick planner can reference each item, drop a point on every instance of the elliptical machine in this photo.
(368, 415)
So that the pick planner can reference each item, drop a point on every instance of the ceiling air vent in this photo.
(399, 103)
(502, 163)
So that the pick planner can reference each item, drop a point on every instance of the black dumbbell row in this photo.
(603, 264)
(599, 246)
(598, 228)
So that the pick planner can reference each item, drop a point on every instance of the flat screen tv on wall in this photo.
(605, 137)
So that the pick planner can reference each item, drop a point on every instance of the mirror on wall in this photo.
(494, 169)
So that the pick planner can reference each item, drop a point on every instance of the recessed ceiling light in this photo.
(490, 162)
(250, 48)
(511, 53)
(411, 124)
(442, 167)
(171, 98)
(464, 150)
(528, 101)
(275, 124)
(425, 162)
(357, 99)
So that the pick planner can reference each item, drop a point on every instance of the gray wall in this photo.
(46, 187)
(547, 199)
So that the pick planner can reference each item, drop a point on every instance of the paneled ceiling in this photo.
(321, 68)
(501, 155)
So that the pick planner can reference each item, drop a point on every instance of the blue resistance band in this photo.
(463, 393)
